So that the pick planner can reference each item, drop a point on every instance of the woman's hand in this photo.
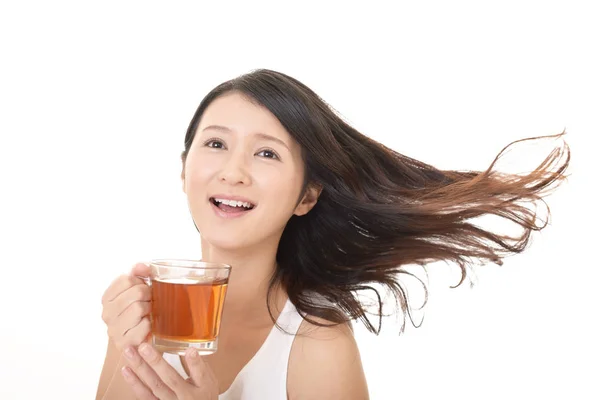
(125, 308)
(151, 377)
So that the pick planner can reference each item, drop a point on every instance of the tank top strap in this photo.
(264, 377)
(278, 344)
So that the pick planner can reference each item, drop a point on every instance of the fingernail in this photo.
(145, 349)
(129, 353)
(193, 354)
(126, 373)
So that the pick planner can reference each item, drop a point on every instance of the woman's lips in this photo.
(232, 213)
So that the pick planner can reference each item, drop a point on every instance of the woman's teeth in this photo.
(233, 203)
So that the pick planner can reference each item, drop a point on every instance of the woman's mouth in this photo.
(230, 208)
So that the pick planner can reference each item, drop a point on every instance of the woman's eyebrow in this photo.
(260, 135)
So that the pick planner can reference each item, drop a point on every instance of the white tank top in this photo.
(264, 377)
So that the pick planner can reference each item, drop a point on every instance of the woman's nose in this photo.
(235, 172)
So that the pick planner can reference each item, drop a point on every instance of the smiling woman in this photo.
(242, 153)
(309, 213)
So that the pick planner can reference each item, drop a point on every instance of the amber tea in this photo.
(187, 304)
(187, 309)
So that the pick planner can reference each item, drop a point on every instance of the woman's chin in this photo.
(229, 243)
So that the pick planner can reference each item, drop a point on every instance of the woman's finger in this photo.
(116, 287)
(130, 317)
(147, 375)
(165, 372)
(136, 293)
(124, 282)
(139, 388)
(201, 374)
(138, 333)
(112, 310)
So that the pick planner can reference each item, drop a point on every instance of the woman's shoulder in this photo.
(327, 357)
(314, 328)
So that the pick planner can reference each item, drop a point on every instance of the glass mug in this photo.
(187, 304)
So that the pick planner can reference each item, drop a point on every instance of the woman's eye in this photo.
(214, 144)
(268, 154)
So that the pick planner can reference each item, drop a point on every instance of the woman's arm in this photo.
(112, 385)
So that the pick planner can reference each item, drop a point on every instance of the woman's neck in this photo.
(251, 272)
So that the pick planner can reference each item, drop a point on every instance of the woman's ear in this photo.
(310, 198)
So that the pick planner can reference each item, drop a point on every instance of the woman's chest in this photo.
(234, 352)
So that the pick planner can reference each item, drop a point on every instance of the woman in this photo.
(322, 213)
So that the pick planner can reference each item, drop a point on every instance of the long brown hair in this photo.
(380, 211)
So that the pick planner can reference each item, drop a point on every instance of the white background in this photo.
(95, 99)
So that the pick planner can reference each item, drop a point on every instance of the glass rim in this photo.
(167, 263)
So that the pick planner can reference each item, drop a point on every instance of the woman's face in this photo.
(242, 152)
